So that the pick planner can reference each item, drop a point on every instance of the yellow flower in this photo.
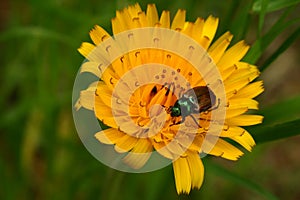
(138, 89)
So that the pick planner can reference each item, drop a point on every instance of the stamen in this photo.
(118, 101)
(221, 154)
(142, 104)
(209, 59)
(137, 53)
(99, 67)
(107, 48)
(130, 35)
(191, 47)
(121, 59)
(103, 37)
(226, 128)
(141, 125)
(155, 40)
(110, 80)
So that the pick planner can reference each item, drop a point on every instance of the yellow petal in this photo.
(244, 120)
(104, 93)
(250, 91)
(134, 10)
(209, 29)
(91, 67)
(125, 143)
(196, 169)
(182, 175)
(233, 55)
(188, 29)
(225, 150)
(245, 140)
(217, 50)
(232, 112)
(179, 20)
(86, 48)
(235, 86)
(109, 136)
(152, 15)
(165, 19)
(98, 35)
(243, 74)
(124, 19)
(116, 26)
(242, 103)
(143, 19)
(197, 30)
(231, 131)
(87, 99)
(139, 155)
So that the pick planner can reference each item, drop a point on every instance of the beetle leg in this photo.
(195, 121)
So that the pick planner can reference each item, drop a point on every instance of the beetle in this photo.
(194, 101)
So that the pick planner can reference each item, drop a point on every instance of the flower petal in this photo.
(225, 150)
(232, 112)
(85, 49)
(109, 136)
(139, 155)
(125, 143)
(250, 91)
(209, 30)
(179, 20)
(244, 120)
(152, 15)
(196, 169)
(182, 175)
(217, 50)
(98, 35)
(242, 103)
(165, 19)
(233, 55)
(245, 140)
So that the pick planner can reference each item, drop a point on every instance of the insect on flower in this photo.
(150, 84)
(194, 101)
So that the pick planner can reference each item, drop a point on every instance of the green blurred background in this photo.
(41, 155)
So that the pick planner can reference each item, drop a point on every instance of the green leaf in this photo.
(280, 121)
(283, 111)
(284, 46)
(221, 171)
(273, 5)
(269, 133)
(264, 5)
(262, 43)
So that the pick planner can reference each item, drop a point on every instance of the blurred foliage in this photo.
(41, 156)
